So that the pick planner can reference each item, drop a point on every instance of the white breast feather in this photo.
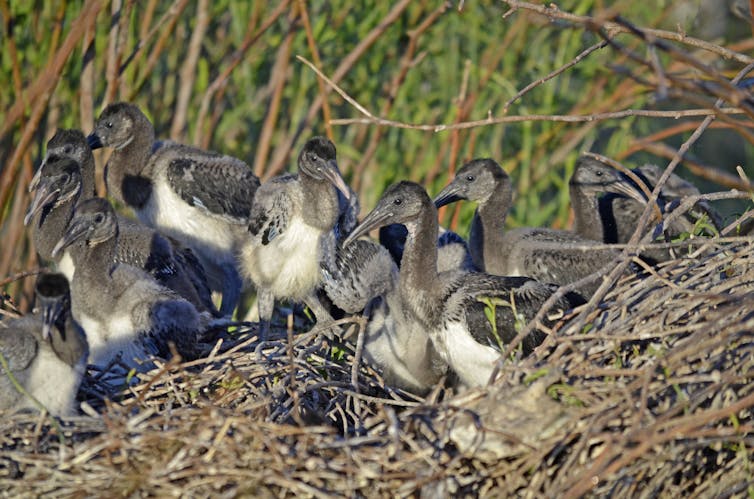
(289, 265)
(54, 383)
(214, 240)
(472, 361)
(66, 266)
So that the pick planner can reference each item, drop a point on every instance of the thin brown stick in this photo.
(221, 80)
(528, 88)
(626, 113)
(551, 11)
(318, 62)
(188, 71)
(283, 149)
(278, 77)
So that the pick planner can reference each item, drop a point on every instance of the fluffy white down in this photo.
(472, 361)
(142, 305)
(289, 265)
(53, 382)
(214, 240)
(401, 348)
(66, 266)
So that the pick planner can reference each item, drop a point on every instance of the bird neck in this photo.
(488, 225)
(586, 214)
(130, 161)
(68, 340)
(320, 203)
(49, 227)
(88, 184)
(94, 262)
(418, 275)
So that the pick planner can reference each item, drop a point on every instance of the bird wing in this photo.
(19, 347)
(145, 248)
(562, 256)
(496, 308)
(219, 185)
(271, 210)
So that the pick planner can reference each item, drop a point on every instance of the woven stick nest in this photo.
(652, 395)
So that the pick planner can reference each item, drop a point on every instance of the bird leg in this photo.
(266, 304)
(321, 314)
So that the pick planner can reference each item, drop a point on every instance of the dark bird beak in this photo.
(378, 217)
(94, 141)
(332, 173)
(45, 196)
(624, 185)
(450, 194)
(37, 176)
(76, 230)
(51, 310)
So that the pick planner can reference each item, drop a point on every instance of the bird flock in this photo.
(127, 290)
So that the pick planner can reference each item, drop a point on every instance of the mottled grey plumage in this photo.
(122, 308)
(46, 352)
(450, 306)
(290, 219)
(549, 255)
(618, 214)
(60, 182)
(357, 274)
(200, 198)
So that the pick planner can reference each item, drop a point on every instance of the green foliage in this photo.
(490, 312)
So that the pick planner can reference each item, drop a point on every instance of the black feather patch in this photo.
(136, 190)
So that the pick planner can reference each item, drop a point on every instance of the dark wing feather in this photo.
(221, 185)
(271, 210)
(565, 257)
(482, 294)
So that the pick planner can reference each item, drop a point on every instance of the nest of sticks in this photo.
(647, 392)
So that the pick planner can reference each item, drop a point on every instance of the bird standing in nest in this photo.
(199, 197)
(468, 316)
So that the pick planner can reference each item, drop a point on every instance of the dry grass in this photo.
(652, 397)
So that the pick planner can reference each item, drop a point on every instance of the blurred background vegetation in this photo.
(224, 75)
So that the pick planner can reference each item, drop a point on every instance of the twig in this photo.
(551, 11)
(317, 61)
(188, 70)
(553, 74)
(235, 59)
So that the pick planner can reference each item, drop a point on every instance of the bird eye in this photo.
(66, 178)
(109, 124)
(469, 178)
(67, 149)
(99, 218)
(397, 201)
(598, 173)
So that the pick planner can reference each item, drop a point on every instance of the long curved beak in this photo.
(94, 141)
(378, 217)
(37, 175)
(450, 194)
(51, 309)
(332, 173)
(44, 196)
(624, 185)
(76, 230)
